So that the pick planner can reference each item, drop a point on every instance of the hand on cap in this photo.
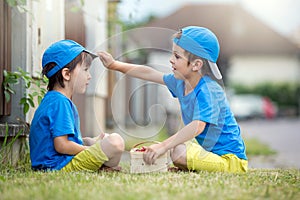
(106, 59)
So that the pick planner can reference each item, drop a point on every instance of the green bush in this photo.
(256, 148)
(284, 94)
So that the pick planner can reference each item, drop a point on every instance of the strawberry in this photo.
(142, 149)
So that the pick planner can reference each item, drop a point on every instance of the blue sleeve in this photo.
(62, 121)
(170, 82)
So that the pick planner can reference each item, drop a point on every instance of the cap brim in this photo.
(92, 54)
(215, 70)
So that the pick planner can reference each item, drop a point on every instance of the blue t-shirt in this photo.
(55, 116)
(208, 103)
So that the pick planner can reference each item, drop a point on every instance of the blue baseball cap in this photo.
(201, 42)
(62, 53)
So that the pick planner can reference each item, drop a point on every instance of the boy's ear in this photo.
(197, 65)
(66, 74)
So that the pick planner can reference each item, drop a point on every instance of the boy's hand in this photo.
(87, 141)
(106, 59)
(153, 152)
(101, 136)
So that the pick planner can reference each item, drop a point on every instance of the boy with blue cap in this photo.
(55, 138)
(210, 139)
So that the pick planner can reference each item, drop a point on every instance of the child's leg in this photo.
(107, 151)
(90, 159)
(200, 159)
(113, 147)
(178, 156)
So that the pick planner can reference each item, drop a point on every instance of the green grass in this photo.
(22, 183)
(255, 148)
(132, 141)
(256, 184)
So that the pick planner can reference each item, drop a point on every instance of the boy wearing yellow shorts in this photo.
(210, 139)
(55, 138)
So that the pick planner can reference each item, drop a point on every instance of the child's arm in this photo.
(187, 133)
(64, 146)
(137, 71)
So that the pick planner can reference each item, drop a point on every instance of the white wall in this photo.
(46, 22)
(95, 12)
(45, 25)
(95, 25)
(168, 112)
(260, 68)
(160, 61)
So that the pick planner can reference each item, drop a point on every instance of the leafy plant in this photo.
(20, 4)
(36, 85)
(77, 8)
(7, 146)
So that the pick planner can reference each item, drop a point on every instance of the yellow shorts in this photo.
(199, 159)
(90, 159)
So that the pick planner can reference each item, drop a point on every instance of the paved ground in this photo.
(282, 135)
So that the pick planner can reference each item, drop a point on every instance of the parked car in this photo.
(247, 106)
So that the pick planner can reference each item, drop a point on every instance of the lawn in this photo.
(256, 184)
(256, 148)
(23, 183)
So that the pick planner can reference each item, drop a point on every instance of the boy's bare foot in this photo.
(174, 169)
(110, 169)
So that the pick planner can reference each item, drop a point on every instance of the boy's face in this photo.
(179, 62)
(80, 78)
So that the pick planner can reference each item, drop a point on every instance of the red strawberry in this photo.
(142, 149)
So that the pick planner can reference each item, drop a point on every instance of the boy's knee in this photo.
(117, 142)
(178, 154)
